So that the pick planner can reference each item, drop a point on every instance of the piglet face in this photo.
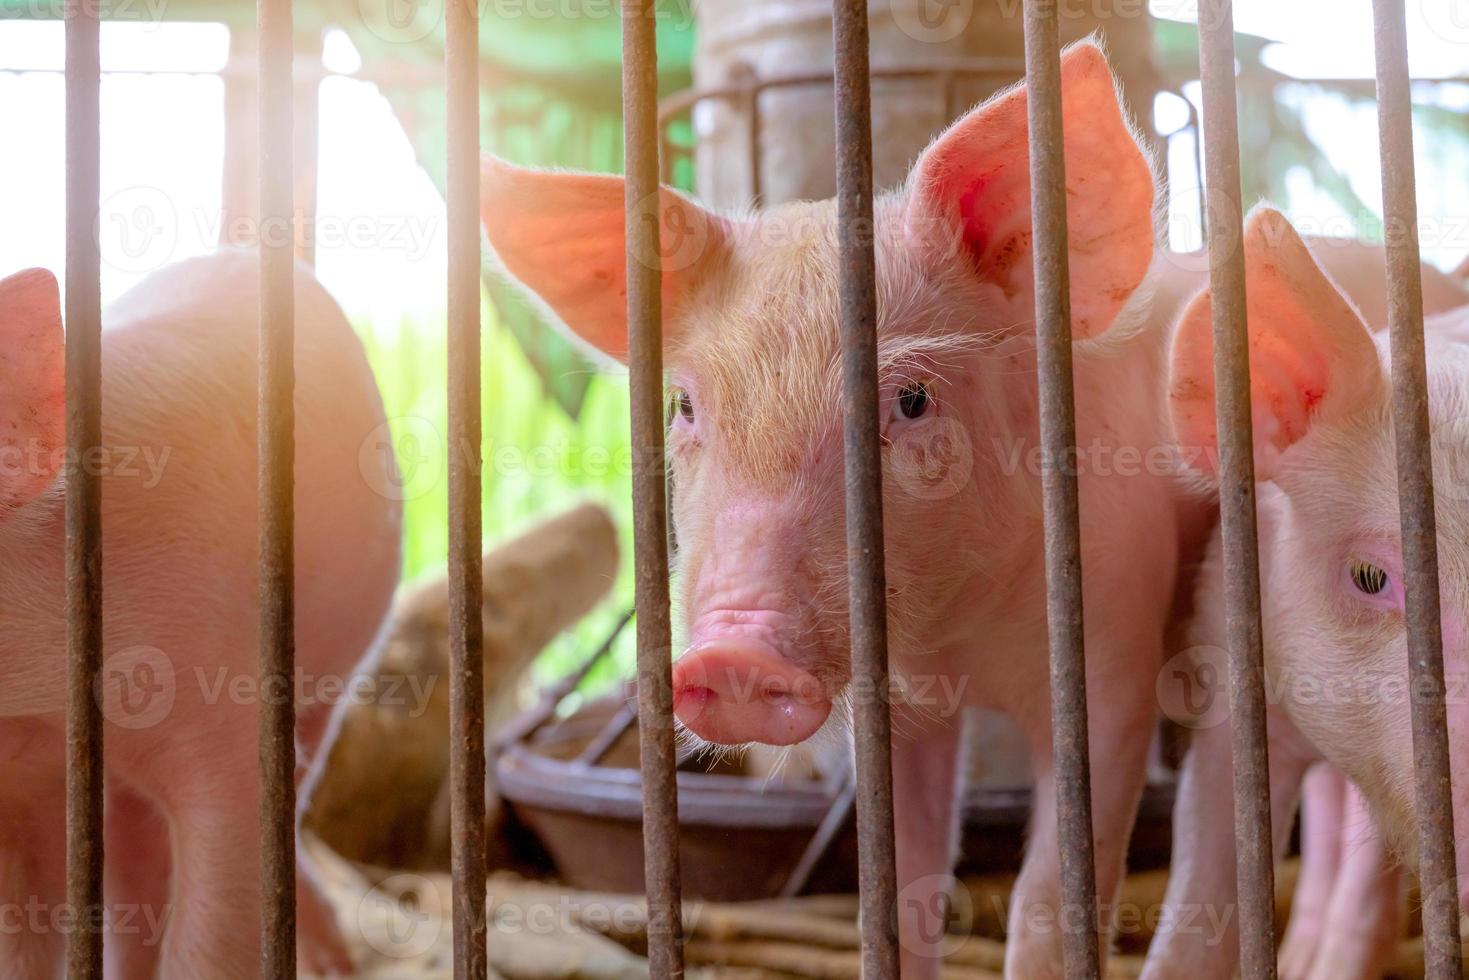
(1335, 612)
(1331, 558)
(751, 317)
(755, 444)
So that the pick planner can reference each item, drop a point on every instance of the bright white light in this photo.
(1170, 113)
(162, 145)
(381, 246)
(40, 45)
(339, 54)
(1333, 38)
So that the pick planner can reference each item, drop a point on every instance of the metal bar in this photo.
(1254, 870)
(822, 840)
(466, 575)
(84, 855)
(276, 454)
(757, 189)
(867, 581)
(1437, 866)
(1007, 68)
(1059, 491)
(650, 497)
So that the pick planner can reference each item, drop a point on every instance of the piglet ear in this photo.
(1312, 359)
(972, 187)
(32, 387)
(562, 235)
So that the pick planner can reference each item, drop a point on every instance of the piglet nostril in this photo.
(736, 690)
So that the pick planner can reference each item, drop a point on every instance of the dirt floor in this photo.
(400, 926)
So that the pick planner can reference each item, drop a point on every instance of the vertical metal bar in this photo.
(466, 623)
(867, 581)
(277, 517)
(1437, 865)
(755, 123)
(83, 492)
(650, 500)
(1255, 870)
(1059, 488)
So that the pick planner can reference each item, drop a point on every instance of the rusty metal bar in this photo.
(1437, 866)
(83, 492)
(821, 841)
(466, 585)
(650, 498)
(755, 124)
(867, 580)
(1059, 489)
(1254, 870)
(276, 452)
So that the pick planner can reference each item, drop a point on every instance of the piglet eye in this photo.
(914, 400)
(1368, 578)
(680, 405)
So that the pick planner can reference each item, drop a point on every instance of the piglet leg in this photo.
(137, 876)
(1121, 728)
(1197, 937)
(926, 773)
(32, 878)
(1323, 799)
(214, 929)
(1363, 921)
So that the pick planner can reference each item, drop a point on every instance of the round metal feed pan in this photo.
(574, 782)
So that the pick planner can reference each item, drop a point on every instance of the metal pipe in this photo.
(276, 454)
(1059, 489)
(466, 586)
(861, 429)
(83, 493)
(1437, 865)
(1255, 870)
(650, 497)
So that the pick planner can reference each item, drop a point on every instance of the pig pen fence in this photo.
(877, 873)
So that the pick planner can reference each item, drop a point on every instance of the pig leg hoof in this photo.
(215, 929)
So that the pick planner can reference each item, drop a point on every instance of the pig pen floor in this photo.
(399, 926)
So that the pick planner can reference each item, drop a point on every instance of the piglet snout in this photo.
(738, 690)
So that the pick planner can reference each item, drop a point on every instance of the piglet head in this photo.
(32, 388)
(1331, 557)
(750, 313)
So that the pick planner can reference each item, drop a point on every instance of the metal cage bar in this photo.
(1059, 487)
(84, 854)
(276, 444)
(650, 493)
(1255, 869)
(466, 586)
(1437, 869)
(861, 430)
